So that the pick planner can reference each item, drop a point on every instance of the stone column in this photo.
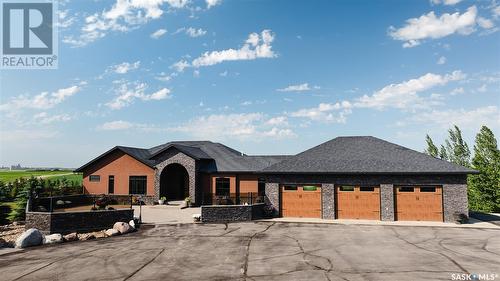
(387, 202)
(454, 201)
(273, 196)
(328, 201)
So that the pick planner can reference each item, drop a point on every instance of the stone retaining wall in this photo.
(228, 213)
(68, 222)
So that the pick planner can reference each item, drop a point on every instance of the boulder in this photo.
(71, 237)
(53, 238)
(59, 202)
(86, 236)
(3, 243)
(132, 224)
(112, 232)
(123, 227)
(31, 237)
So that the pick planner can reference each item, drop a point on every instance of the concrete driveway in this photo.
(265, 251)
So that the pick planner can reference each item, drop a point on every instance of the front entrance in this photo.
(301, 201)
(174, 182)
(358, 202)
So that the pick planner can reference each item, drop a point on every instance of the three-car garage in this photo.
(363, 202)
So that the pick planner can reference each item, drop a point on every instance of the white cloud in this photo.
(430, 26)
(123, 16)
(125, 67)
(445, 2)
(457, 91)
(256, 46)
(45, 118)
(44, 100)
(223, 74)
(298, 88)
(482, 89)
(159, 33)
(243, 126)
(164, 77)
(441, 60)
(127, 95)
(180, 65)
(278, 121)
(485, 23)
(326, 112)
(212, 3)
(473, 119)
(405, 94)
(116, 125)
(193, 32)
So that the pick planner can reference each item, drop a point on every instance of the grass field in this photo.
(9, 176)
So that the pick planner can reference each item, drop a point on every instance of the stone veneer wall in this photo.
(171, 157)
(68, 222)
(387, 202)
(454, 190)
(454, 201)
(228, 213)
(328, 201)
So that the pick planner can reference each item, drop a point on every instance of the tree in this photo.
(442, 153)
(432, 149)
(485, 186)
(457, 149)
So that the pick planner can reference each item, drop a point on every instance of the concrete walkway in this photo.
(473, 223)
(166, 214)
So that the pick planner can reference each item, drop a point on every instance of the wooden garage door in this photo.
(358, 202)
(419, 203)
(301, 201)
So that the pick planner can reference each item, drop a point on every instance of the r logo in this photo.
(27, 28)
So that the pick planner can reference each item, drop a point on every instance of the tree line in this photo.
(483, 188)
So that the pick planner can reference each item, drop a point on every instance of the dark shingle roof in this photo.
(344, 155)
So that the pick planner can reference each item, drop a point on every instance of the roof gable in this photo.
(139, 154)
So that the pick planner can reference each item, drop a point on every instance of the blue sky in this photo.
(265, 77)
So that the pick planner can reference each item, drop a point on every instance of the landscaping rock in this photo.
(184, 205)
(3, 243)
(123, 227)
(86, 236)
(71, 237)
(53, 238)
(112, 232)
(99, 234)
(132, 224)
(31, 237)
(59, 202)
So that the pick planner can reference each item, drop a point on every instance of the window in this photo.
(347, 188)
(222, 187)
(94, 178)
(406, 189)
(290, 188)
(427, 189)
(366, 188)
(137, 184)
(111, 184)
(262, 187)
(309, 188)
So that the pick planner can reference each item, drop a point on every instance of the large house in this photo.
(344, 178)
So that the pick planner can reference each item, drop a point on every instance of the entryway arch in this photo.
(174, 182)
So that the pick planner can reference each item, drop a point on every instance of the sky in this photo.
(263, 77)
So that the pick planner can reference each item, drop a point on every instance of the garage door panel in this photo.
(357, 204)
(301, 203)
(419, 205)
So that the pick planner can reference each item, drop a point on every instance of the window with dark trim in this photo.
(137, 184)
(347, 188)
(427, 189)
(406, 189)
(111, 184)
(261, 187)
(94, 178)
(222, 187)
(366, 188)
(290, 188)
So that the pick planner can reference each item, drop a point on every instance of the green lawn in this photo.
(9, 176)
